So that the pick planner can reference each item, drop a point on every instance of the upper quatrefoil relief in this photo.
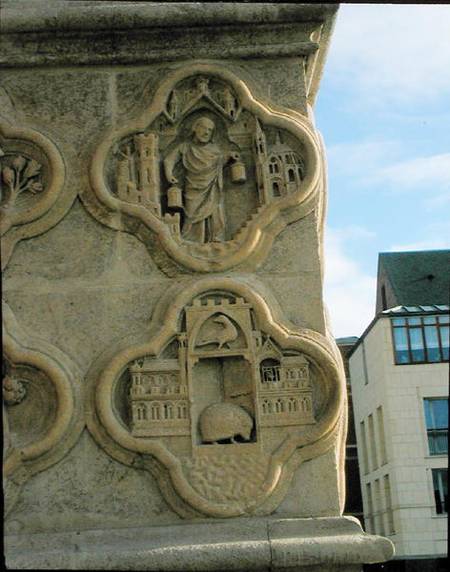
(209, 169)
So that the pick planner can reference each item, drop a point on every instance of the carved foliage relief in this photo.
(31, 178)
(208, 168)
(223, 398)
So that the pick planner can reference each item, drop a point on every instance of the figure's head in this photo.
(203, 129)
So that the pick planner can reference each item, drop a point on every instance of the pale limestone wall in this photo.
(82, 286)
(400, 391)
(96, 285)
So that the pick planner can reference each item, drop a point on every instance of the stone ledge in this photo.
(63, 15)
(62, 33)
(307, 545)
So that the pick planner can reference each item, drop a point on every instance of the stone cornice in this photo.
(63, 15)
(40, 33)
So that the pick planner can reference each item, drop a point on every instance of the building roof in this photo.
(347, 341)
(418, 278)
(405, 310)
(397, 311)
(416, 282)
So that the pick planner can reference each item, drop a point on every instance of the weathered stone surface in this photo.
(168, 358)
(310, 545)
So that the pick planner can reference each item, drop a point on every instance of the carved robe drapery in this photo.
(203, 201)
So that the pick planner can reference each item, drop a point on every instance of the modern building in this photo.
(353, 497)
(399, 379)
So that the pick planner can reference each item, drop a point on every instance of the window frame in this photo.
(421, 326)
(442, 501)
(432, 431)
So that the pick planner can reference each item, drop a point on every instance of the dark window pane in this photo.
(440, 490)
(414, 321)
(438, 442)
(417, 349)
(436, 417)
(401, 345)
(444, 319)
(432, 343)
(399, 321)
(429, 319)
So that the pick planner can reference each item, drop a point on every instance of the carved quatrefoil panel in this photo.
(213, 172)
(220, 397)
(31, 179)
(42, 415)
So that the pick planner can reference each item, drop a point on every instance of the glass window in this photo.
(421, 339)
(401, 345)
(440, 490)
(417, 345)
(444, 341)
(436, 418)
(432, 343)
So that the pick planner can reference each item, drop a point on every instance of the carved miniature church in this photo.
(243, 381)
(279, 170)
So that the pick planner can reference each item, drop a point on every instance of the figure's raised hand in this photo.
(173, 180)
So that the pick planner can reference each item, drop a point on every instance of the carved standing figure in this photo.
(203, 162)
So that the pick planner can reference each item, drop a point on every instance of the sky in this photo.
(383, 109)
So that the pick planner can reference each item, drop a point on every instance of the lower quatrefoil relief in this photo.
(222, 404)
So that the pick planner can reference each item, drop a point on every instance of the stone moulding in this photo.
(300, 544)
(307, 441)
(249, 244)
(41, 360)
(30, 165)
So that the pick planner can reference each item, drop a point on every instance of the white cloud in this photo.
(397, 52)
(431, 244)
(358, 159)
(377, 163)
(420, 172)
(349, 292)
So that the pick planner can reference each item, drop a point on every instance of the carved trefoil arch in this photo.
(212, 171)
(222, 397)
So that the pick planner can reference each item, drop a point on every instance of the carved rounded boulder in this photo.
(224, 421)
